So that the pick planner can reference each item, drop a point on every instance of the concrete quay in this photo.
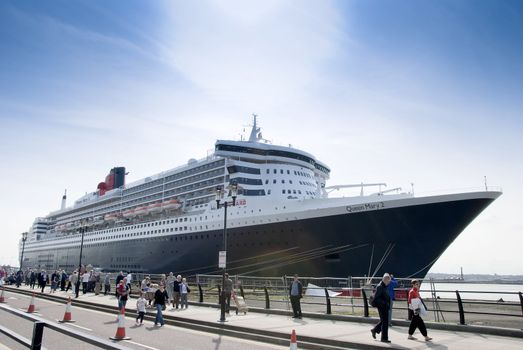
(314, 331)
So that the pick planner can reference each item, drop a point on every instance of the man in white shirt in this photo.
(129, 278)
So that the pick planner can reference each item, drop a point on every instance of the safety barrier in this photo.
(38, 332)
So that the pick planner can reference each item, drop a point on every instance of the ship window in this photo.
(275, 171)
(299, 191)
(290, 181)
(289, 191)
(266, 182)
(281, 171)
(268, 191)
(268, 171)
(283, 191)
(282, 181)
(288, 172)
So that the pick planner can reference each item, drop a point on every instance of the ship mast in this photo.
(254, 137)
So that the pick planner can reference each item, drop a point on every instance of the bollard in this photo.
(201, 292)
(267, 301)
(328, 298)
(521, 302)
(461, 311)
(38, 332)
(219, 295)
(241, 291)
(365, 303)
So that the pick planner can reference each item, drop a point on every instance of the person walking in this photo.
(140, 308)
(184, 290)
(416, 305)
(107, 283)
(42, 279)
(63, 280)
(382, 302)
(123, 294)
(129, 279)
(160, 297)
(227, 292)
(295, 294)
(85, 282)
(392, 294)
(55, 280)
(117, 282)
(176, 291)
(73, 279)
(97, 283)
(32, 279)
(170, 286)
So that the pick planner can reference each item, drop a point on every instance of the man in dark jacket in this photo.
(382, 302)
(296, 293)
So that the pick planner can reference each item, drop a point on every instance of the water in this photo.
(474, 291)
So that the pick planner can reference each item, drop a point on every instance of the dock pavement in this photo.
(335, 333)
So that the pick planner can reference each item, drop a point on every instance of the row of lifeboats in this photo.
(154, 208)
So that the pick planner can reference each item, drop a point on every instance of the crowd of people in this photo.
(173, 290)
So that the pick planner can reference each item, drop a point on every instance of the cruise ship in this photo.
(282, 221)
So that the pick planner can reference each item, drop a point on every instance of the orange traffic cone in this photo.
(2, 299)
(294, 345)
(120, 331)
(31, 308)
(67, 314)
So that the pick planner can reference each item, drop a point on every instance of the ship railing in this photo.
(438, 192)
(350, 296)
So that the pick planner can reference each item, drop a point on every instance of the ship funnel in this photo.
(64, 200)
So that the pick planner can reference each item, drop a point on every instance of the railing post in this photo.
(241, 292)
(201, 292)
(461, 311)
(365, 303)
(521, 302)
(38, 332)
(267, 301)
(328, 298)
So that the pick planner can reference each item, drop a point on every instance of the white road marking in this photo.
(145, 346)
(75, 325)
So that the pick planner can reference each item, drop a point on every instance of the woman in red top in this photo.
(415, 305)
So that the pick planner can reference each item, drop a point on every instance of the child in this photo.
(140, 307)
(184, 289)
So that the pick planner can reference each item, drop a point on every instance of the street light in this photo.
(82, 230)
(219, 194)
(24, 238)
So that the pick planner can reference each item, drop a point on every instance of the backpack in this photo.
(372, 297)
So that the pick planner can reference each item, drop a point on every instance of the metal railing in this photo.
(336, 296)
(39, 323)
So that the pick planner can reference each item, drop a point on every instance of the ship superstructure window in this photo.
(243, 169)
(247, 181)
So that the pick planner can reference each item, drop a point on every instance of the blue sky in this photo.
(396, 91)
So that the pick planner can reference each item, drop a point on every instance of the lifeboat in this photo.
(141, 210)
(172, 204)
(110, 217)
(155, 208)
(128, 213)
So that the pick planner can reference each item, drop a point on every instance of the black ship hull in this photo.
(404, 240)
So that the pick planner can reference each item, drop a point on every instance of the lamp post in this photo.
(219, 193)
(82, 230)
(24, 238)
